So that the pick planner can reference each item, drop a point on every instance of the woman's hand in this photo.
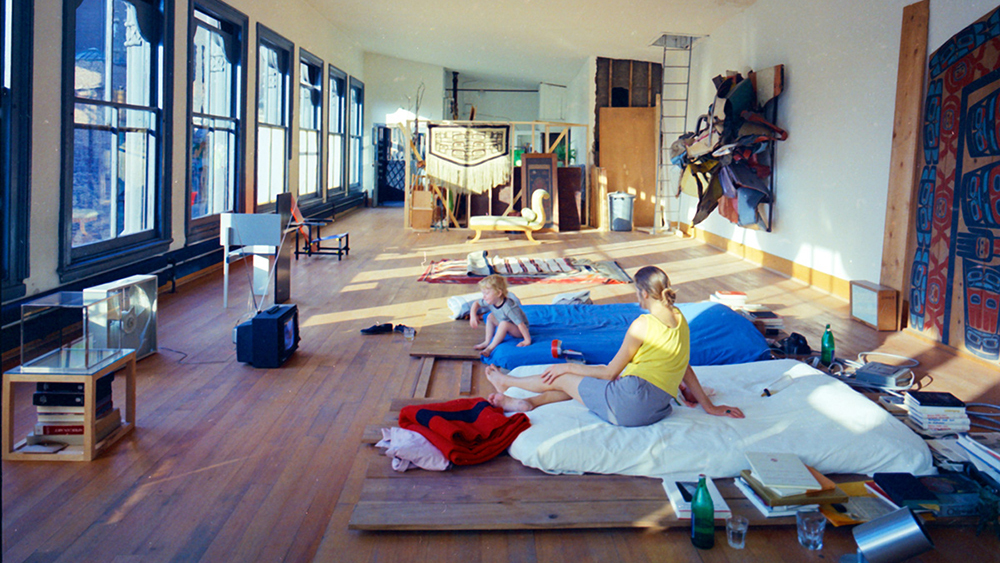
(725, 410)
(552, 372)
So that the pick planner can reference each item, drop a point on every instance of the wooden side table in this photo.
(89, 450)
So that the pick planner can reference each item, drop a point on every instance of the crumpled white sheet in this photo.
(408, 448)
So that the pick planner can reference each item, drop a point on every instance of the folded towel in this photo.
(467, 431)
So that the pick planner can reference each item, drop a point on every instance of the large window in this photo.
(357, 129)
(114, 181)
(273, 114)
(336, 129)
(15, 141)
(217, 113)
(310, 125)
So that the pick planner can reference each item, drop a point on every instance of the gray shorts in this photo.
(626, 401)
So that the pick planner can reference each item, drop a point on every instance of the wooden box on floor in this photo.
(875, 305)
(421, 210)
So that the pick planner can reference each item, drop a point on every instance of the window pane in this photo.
(215, 124)
(336, 105)
(335, 174)
(123, 74)
(271, 163)
(308, 162)
(271, 90)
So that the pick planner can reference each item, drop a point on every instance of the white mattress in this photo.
(826, 423)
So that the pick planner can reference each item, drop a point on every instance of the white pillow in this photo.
(460, 305)
(477, 264)
(529, 214)
(573, 298)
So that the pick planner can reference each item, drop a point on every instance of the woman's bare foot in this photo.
(509, 404)
(481, 345)
(496, 378)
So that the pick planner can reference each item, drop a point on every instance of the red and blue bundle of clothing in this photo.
(467, 431)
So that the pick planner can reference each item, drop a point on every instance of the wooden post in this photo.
(904, 177)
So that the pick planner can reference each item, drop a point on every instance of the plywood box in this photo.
(875, 305)
(422, 210)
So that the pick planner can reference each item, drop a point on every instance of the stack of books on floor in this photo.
(732, 299)
(780, 484)
(766, 321)
(936, 413)
(59, 408)
(681, 493)
(984, 452)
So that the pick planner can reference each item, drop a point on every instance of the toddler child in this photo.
(506, 316)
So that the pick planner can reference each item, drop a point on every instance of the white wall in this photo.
(581, 97)
(832, 173)
(521, 105)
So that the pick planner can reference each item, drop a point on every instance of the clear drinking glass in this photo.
(409, 332)
(810, 525)
(736, 531)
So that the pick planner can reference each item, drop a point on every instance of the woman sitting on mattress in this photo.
(635, 389)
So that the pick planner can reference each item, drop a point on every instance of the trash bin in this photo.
(620, 211)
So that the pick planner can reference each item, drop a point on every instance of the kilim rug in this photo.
(955, 277)
(530, 270)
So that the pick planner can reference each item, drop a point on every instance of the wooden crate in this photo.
(875, 305)
(421, 210)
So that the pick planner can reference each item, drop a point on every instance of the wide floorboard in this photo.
(233, 463)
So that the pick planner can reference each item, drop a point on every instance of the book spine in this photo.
(57, 429)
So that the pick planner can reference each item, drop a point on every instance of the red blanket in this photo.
(467, 431)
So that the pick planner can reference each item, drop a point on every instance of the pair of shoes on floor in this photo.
(400, 328)
(377, 329)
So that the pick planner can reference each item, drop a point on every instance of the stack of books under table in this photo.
(936, 413)
(59, 408)
(779, 484)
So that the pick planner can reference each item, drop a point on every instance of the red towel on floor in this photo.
(467, 431)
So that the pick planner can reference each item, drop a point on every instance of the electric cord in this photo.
(185, 355)
(844, 370)
(987, 420)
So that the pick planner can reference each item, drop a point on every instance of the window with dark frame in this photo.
(310, 125)
(273, 114)
(357, 117)
(336, 129)
(114, 193)
(15, 141)
(217, 114)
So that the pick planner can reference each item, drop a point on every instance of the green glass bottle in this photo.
(826, 356)
(702, 517)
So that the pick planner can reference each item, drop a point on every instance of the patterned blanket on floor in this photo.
(529, 270)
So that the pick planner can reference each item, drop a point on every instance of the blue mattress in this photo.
(719, 335)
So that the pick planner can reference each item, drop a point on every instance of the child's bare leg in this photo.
(503, 328)
(491, 326)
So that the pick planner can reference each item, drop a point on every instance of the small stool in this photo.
(314, 243)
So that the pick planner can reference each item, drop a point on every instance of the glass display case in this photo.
(69, 332)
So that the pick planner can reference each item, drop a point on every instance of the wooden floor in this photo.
(232, 463)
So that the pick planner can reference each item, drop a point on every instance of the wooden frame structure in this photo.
(415, 181)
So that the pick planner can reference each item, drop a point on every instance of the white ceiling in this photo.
(522, 41)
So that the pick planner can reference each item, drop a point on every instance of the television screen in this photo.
(290, 332)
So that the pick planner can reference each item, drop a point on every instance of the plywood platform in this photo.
(443, 337)
(502, 494)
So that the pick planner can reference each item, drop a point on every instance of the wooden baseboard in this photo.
(818, 280)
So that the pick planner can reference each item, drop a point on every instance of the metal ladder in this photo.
(673, 119)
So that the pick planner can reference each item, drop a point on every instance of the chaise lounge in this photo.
(530, 220)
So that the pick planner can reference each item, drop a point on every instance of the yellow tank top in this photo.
(663, 356)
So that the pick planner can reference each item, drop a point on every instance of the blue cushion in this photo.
(719, 335)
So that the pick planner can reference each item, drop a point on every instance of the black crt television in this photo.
(270, 338)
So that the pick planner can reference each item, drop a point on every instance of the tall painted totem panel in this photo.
(955, 277)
